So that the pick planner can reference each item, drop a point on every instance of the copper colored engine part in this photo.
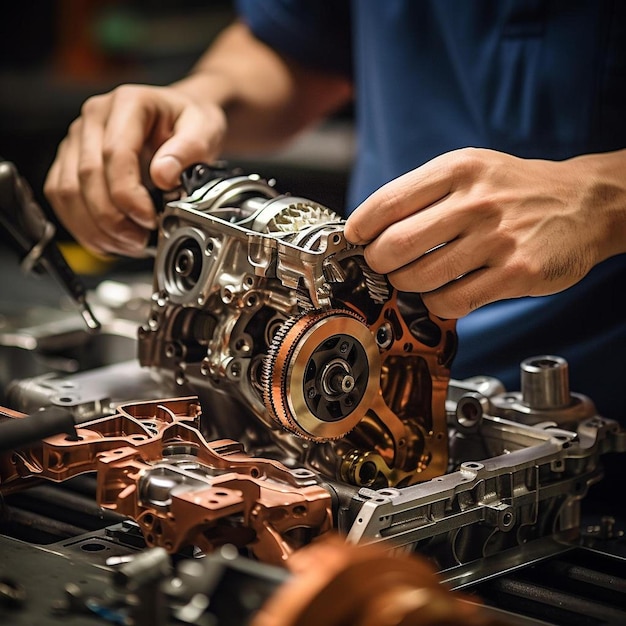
(335, 584)
(322, 374)
(408, 415)
(154, 466)
(258, 296)
(330, 375)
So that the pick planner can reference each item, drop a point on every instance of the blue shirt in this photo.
(533, 78)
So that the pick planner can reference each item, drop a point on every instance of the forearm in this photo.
(267, 98)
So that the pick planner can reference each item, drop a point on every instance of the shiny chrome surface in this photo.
(261, 306)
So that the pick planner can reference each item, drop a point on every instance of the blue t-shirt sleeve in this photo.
(313, 33)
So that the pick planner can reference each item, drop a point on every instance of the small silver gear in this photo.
(300, 215)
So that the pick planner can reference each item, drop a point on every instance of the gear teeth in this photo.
(303, 300)
(300, 215)
(268, 366)
(376, 284)
(279, 411)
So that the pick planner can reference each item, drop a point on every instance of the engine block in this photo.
(258, 297)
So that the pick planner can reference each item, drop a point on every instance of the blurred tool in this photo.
(328, 582)
(34, 235)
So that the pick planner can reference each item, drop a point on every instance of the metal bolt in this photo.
(607, 527)
(384, 336)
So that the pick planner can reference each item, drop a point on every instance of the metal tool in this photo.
(34, 235)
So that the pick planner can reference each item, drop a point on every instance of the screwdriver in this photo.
(25, 221)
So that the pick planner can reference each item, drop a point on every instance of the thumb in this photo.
(197, 137)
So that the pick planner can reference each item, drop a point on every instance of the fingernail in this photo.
(349, 235)
(145, 220)
(169, 171)
(143, 210)
(130, 239)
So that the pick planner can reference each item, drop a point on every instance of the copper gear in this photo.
(321, 374)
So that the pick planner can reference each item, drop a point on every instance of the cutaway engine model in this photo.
(313, 397)
(260, 298)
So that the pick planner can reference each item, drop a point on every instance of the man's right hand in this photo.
(96, 183)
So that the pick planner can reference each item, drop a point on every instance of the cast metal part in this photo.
(514, 498)
(154, 466)
(255, 296)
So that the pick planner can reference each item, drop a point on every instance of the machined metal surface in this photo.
(515, 495)
(259, 297)
(155, 467)
(312, 396)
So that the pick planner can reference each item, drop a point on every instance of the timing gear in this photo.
(321, 374)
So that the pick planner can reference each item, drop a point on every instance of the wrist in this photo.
(205, 88)
(603, 194)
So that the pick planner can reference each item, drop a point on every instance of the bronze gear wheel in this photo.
(321, 374)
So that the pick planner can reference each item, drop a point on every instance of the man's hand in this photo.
(474, 226)
(95, 184)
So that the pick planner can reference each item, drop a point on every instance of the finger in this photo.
(441, 266)
(459, 214)
(66, 197)
(462, 296)
(197, 138)
(134, 110)
(399, 198)
(405, 241)
(473, 249)
(62, 189)
(127, 234)
(59, 196)
(50, 185)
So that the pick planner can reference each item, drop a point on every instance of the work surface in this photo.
(54, 535)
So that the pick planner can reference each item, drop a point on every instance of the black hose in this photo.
(16, 433)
